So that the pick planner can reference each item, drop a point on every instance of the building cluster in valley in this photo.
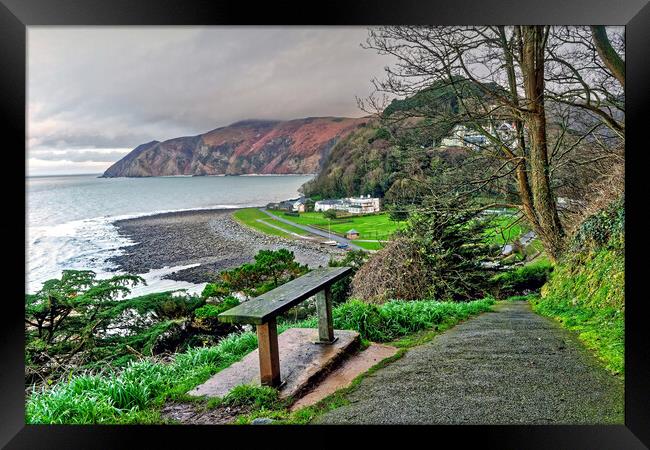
(351, 205)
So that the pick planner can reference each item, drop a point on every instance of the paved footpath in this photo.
(510, 366)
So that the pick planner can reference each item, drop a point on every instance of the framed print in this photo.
(369, 215)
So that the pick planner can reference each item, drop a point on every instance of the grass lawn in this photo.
(505, 230)
(371, 226)
(249, 216)
(370, 245)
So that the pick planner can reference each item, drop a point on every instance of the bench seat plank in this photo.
(260, 309)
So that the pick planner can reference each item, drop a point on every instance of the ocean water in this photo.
(70, 218)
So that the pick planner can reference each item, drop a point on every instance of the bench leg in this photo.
(267, 336)
(325, 324)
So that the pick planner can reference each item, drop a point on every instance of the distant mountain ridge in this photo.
(297, 146)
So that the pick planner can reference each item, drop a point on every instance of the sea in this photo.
(70, 219)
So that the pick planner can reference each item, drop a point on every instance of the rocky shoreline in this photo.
(210, 238)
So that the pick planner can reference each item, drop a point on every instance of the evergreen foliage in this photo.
(270, 269)
(440, 255)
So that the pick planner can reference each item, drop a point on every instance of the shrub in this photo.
(211, 311)
(603, 229)
(381, 133)
(270, 269)
(521, 281)
(330, 214)
(393, 319)
(438, 255)
(342, 289)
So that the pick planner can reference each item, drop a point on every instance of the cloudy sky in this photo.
(96, 93)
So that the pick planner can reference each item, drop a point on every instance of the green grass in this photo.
(585, 293)
(133, 394)
(506, 229)
(370, 245)
(288, 227)
(136, 393)
(370, 226)
(257, 397)
(396, 318)
(250, 216)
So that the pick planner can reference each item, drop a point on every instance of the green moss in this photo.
(586, 291)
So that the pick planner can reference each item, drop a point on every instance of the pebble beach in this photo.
(211, 238)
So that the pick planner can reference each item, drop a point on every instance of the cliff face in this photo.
(247, 147)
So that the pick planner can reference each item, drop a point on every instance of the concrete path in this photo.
(313, 230)
(509, 366)
(284, 230)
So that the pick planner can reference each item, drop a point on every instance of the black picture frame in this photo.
(16, 15)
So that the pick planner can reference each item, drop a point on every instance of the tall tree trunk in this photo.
(608, 54)
(523, 185)
(545, 209)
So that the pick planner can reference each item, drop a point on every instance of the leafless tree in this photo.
(559, 88)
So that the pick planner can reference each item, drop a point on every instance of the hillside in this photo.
(370, 161)
(246, 147)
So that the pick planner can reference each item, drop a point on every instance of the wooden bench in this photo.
(263, 310)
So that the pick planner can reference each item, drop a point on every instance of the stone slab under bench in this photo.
(301, 363)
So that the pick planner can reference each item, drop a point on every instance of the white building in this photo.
(324, 205)
(353, 205)
(363, 205)
(462, 136)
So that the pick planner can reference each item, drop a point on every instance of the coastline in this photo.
(210, 238)
(102, 175)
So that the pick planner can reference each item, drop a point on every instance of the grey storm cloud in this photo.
(78, 156)
(117, 87)
(84, 139)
